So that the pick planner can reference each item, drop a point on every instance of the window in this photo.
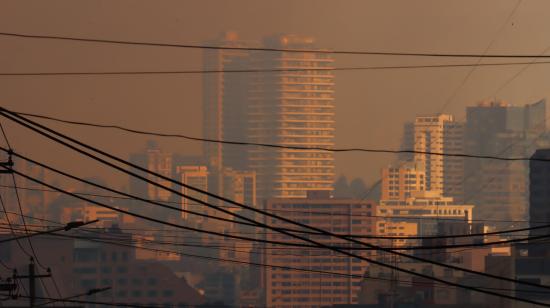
(88, 283)
(122, 269)
(168, 293)
(85, 270)
(106, 282)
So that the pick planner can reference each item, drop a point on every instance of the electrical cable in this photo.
(266, 70)
(18, 199)
(351, 255)
(285, 211)
(266, 49)
(450, 99)
(3, 112)
(323, 272)
(132, 197)
(243, 143)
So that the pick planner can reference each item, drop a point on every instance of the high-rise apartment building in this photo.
(399, 181)
(287, 288)
(499, 188)
(292, 108)
(440, 134)
(225, 103)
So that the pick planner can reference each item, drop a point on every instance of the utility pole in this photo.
(32, 282)
(393, 281)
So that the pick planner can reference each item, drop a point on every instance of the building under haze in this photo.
(440, 134)
(154, 160)
(290, 108)
(294, 108)
(400, 181)
(424, 208)
(195, 176)
(499, 188)
(288, 288)
(225, 106)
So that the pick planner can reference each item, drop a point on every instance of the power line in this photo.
(116, 304)
(131, 197)
(265, 70)
(321, 246)
(291, 246)
(243, 143)
(266, 49)
(285, 211)
(123, 244)
(19, 205)
(375, 262)
(248, 224)
(67, 227)
(471, 71)
(87, 293)
(21, 120)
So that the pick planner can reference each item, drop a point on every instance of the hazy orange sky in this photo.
(371, 105)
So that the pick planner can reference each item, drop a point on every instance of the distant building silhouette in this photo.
(225, 107)
(499, 188)
(155, 160)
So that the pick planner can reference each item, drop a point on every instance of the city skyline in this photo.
(284, 155)
(426, 96)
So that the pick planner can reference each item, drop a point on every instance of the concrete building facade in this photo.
(400, 181)
(440, 134)
(286, 288)
(291, 108)
(424, 208)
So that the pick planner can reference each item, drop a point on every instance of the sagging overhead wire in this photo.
(266, 49)
(32, 125)
(277, 146)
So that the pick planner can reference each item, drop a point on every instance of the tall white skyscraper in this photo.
(290, 108)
